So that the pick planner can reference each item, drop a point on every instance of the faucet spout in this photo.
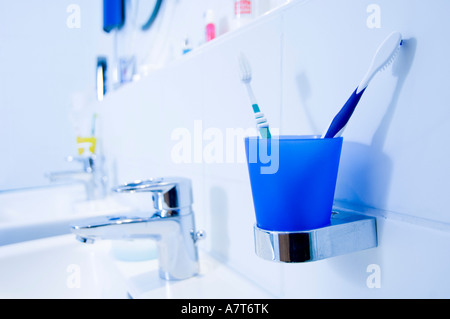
(173, 229)
(91, 176)
(77, 175)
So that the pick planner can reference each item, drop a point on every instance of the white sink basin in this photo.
(40, 203)
(215, 281)
(61, 267)
(48, 211)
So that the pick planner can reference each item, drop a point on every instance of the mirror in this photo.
(49, 53)
(49, 56)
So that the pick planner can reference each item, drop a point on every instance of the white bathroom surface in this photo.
(62, 268)
(59, 268)
(215, 281)
(48, 211)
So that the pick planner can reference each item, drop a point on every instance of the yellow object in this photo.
(92, 140)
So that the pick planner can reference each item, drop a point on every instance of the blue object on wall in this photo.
(113, 14)
(296, 191)
(152, 18)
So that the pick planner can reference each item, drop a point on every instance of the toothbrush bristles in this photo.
(391, 60)
(246, 72)
(246, 77)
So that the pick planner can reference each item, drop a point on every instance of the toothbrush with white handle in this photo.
(385, 55)
(246, 78)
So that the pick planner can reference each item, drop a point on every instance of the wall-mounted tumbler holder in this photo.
(346, 233)
(295, 220)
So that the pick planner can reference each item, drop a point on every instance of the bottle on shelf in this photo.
(210, 27)
(243, 12)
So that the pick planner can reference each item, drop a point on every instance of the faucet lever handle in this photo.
(87, 161)
(168, 193)
(150, 185)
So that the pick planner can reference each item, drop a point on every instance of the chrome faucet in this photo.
(171, 224)
(91, 175)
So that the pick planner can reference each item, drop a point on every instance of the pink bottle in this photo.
(210, 26)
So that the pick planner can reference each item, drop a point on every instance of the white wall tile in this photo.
(411, 264)
(182, 108)
(307, 60)
(230, 228)
(129, 128)
(391, 157)
(227, 105)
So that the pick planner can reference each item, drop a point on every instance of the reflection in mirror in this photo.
(48, 54)
(57, 59)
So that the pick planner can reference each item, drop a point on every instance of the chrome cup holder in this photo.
(346, 233)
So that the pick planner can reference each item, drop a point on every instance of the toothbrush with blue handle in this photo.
(385, 55)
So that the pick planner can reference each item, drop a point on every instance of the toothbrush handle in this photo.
(251, 95)
(256, 108)
(265, 132)
(341, 119)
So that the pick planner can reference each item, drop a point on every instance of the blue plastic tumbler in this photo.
(293, 180)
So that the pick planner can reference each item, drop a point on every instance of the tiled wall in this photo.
(307, 58)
